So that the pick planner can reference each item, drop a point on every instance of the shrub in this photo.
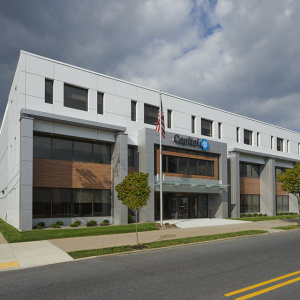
(265, 215)
(255, 215)
(74, 225)
(78, 222)
(260, 215)
(91, 223)
(39, 227)
(130, 219)
(61, 223)
(34, 227)
(41, 224)
(55, 225)
(249, 215)
(105, 223)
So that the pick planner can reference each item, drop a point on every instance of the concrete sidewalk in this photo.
(31, 254)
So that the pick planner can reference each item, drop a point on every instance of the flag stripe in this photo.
(162, 116)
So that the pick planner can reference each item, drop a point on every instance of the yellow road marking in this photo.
(10, 264)
(261, 284)
(268, 289)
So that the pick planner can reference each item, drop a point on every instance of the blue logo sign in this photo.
(204, 144)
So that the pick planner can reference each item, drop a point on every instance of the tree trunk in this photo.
(136, 231)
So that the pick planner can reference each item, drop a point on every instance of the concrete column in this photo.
(235, 205)
(119, 170)
(223, 176)
(268, 188)
(26, 173)
(146, 165)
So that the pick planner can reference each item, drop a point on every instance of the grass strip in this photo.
(162, 244)
(268, 218)
(12, 235)
(288, 227)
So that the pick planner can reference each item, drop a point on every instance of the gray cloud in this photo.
(241, 56)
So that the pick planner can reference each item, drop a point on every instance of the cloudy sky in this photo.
(240, 56)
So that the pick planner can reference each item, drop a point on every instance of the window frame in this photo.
(249, 137)
(48, 96)
(133, 106)
(279, 142)
(100, 103)
(154, 118)
(210, 123)
(68, 99)
(169, 113)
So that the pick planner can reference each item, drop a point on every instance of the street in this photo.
(199, 271)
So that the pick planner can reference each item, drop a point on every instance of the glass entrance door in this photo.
(202, 206)
(182, 207)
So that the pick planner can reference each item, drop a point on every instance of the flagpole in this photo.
(160, 165)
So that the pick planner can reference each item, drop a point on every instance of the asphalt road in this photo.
(200, 271)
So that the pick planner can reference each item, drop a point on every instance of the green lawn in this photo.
(13, 235)
(287, 227)
(268, 218)
(161, 244)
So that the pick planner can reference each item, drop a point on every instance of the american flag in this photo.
(161, 112)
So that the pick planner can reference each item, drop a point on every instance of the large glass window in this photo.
(249, 170)
(49, 91)
(184, 165)
(279, 170)
(247, 137)
(100, 103)
(250, 203)
(102, 154)
(41, 147)
(83, 151)
(282, 203)
(41, 205)
(75, 97)
(206, 127)
(150, 114)
(57, 148)
(63, 203)
(279, 144)
(62, 149)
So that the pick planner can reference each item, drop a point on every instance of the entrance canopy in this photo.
(190, 187)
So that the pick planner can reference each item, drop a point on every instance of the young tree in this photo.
(290, 182)
(134, 192)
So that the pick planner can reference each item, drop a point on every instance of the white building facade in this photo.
(70, 135)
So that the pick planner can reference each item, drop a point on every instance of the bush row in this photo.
(58, 224)
(253, 215)
(286, 213)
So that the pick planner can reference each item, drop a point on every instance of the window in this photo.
(250, 203)
(206, 127)
(41, 147)
(185, 165)
(219, 130)
(238, 134)
(49, 91)
(100, 103)
(75, 97)
(249, 170)
(298, 149)
(288, 146)
(63, 149)
(130, 156)
(133, 110)
(247, 137)
(272, 142)
(83, 151)
(62, 203)
(279, 144)
(279, 170)
(150, 114)
(258, 139)
(193, 126)
(282, 203)
(169, 118)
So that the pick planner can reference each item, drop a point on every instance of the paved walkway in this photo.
(31, 254)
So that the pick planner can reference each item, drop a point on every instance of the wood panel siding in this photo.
(249, 186)
(279, 191)
(68, 174)
(171, 153)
